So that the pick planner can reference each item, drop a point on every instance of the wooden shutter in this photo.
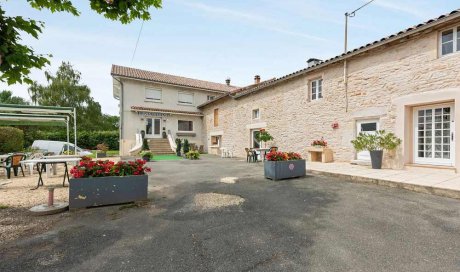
(216, 117)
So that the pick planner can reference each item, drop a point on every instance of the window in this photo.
(450, 41)
(153, 95)
(216, 117)
(316, 89)
(186, 98)
(211, 97)
(185, 125)
(255, 114)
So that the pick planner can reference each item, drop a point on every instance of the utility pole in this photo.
(345, 63)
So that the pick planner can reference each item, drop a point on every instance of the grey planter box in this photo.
(89, 192)
(277, 170)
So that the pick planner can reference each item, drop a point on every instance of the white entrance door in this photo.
(434, 135)
(369, 127)
(153, 128)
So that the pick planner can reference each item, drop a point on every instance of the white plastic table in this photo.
(46, 161)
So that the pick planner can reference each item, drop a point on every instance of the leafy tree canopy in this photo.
(65, 90)
(17, 59)
(6, 97)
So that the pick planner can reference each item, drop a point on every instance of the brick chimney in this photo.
(256, 79)
(227, 81)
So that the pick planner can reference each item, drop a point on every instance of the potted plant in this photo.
(264, 137)
(146, 155)
(101, 150)
(376, 144)
(192, 155)
(282, 165)
(97, 183)
(186, 146)
(178, 146)
(319, 143)
(145, 144)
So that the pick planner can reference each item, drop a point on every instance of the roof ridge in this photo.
(165, 75)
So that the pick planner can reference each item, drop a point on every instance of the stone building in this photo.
(407, 83)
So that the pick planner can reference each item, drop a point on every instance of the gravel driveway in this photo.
(194, 222)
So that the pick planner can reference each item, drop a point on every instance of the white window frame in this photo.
(193, 126)
(152, 99)
(211, 97)
(185, 103)
(254, 111)
(455, 40)
(318, 83)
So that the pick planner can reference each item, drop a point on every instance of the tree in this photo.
(17, 59)
(65, 90)
(6, 97)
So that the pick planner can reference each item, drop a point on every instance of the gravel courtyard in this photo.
(194, 222)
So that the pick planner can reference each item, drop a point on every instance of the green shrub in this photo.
(11, 140)
(381, 140)
(178, 146)
(85, 139)
(145, 145)
(186, 146)
(192, 155)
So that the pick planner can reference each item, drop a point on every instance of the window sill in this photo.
(183, 104)
(153, 101)
(450, 55)
(186, 133)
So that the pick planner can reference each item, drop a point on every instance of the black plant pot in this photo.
(146, 158)
(376, 159)
(178, 153)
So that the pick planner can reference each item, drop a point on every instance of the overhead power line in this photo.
(137, 42)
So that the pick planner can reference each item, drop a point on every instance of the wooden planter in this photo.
(320, 154)
(277, 170)
(90, 192)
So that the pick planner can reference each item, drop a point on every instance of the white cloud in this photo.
(408, 7)
(257, 20)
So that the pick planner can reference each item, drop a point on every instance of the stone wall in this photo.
(375, 79)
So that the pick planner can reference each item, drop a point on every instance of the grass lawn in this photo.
(110, 153)
(168, 157)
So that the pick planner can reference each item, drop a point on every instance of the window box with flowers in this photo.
(98, 183)
(319, 152)
(284, 165)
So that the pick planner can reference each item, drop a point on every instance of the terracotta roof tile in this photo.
(147, 109)
(169, 79)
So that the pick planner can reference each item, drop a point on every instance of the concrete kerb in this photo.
(393, 184)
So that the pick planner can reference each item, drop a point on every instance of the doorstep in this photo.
(442, 182)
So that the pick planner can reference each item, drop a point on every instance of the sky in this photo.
(213, 40)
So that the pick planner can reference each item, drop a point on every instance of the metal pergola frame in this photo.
(12, 114)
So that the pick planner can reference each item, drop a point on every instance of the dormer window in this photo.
(450, 41)
(316, 89)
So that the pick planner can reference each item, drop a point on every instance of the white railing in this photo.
(172, 141)
(138, 146)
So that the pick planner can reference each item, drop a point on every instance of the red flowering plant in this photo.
(89, 168)
(283, 156)
(321, 142)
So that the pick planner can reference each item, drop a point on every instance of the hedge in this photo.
(85, 139)
(11, 139)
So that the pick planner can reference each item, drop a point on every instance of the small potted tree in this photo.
(101, 151)
(284, 165)
(376, 144)
(186, 146)
(264, 137)
(178, 146)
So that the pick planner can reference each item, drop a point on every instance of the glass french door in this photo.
(434, 135)
(153, 127)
